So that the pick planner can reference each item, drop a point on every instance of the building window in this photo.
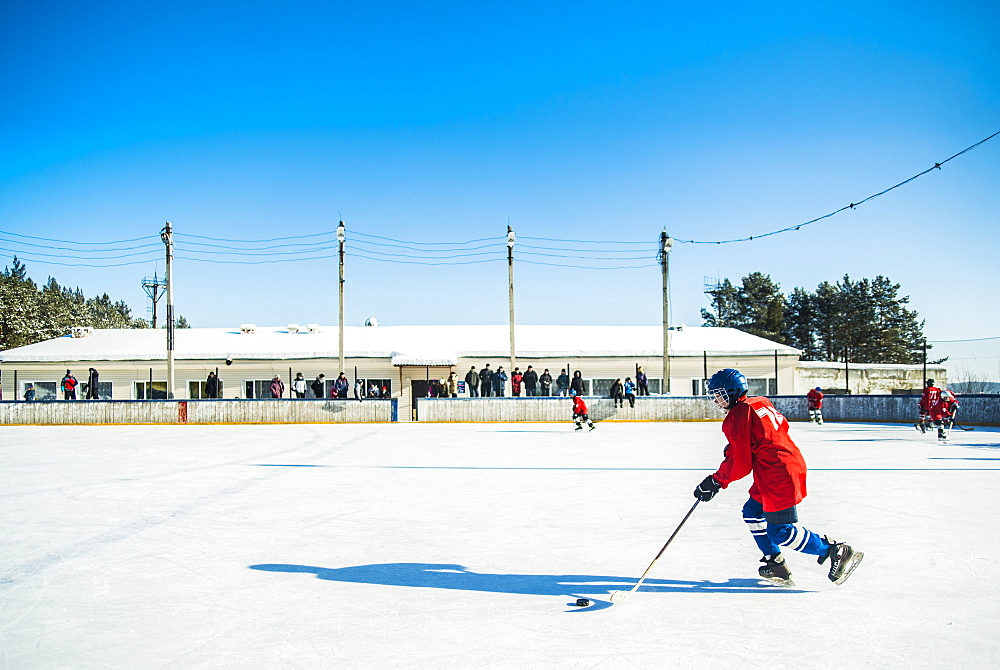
(755, 386)
(257, 388)
(601, 387)
(103, 390)
(154, 390)
(373, 387)
(196, 389)
(43, 390)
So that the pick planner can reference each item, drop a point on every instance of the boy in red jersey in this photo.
(759, 444)
(580, 412)
(927, 400)
(942, 413)
(815, 398)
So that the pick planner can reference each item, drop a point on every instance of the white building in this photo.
(132, 363)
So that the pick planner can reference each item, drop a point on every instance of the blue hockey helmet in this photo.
(726, 387)
(818, 388)
(572, 392)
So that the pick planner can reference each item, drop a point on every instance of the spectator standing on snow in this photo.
(562, 383)
(277, 387)
(499, 382)
(29, 393)
(486, 381)
(212, 385)
(577, 383)
(341, 386)
(759, 444)
(69, 384)
(359, 389)
(545, 381)
(515, 382)
(92, 381)
(472, 382)
(530, 382)
(317, 386)
(453, 384)
(642, 381)
(299, 385)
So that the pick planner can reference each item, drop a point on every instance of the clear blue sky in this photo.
(439, 121)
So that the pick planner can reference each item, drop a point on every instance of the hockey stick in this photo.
(620, 596)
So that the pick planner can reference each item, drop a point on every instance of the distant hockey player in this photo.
(759, 444)
(942, 413)
(927, 400)
(580, 412)
(815, 398)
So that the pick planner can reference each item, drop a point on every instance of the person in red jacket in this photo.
(942, 413)
(815, 398)
(580, 412)
(759, 444)
(927, 400)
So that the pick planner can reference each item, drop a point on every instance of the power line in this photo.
(74, 265)
(975, 339)
(853, 205)
(47, 239)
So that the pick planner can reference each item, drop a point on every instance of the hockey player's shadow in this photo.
(457, 577)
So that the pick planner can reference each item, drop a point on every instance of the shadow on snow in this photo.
(457, 577)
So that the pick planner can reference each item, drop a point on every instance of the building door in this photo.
(418, 389)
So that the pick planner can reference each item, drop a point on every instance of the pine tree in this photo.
(18, 307)
(29, 314)
(763, 306)
(756, 307)
(800, 324)
(861, 321)
(725, 306)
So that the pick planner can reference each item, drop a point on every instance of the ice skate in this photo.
(592, 426)
(578, 427)
(843, 560)
(775, 570)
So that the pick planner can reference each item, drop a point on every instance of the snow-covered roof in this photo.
(406, 345)
(818, 365)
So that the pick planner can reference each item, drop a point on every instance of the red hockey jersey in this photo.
(929, 398)
(579, 407)
(945, 406)
(815, 399)
(759, 443)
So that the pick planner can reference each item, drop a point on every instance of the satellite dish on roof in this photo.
(371, 321)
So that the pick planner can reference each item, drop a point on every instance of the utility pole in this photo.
(167, 235)
(152, 286)
(341, 236)
(664, 257)
(510, 283)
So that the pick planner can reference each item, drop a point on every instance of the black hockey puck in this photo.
(582, 602)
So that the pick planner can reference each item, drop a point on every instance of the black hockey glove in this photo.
(707, 489)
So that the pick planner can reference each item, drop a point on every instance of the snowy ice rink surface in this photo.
(460, 546)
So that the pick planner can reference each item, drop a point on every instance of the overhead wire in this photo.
(369, 246)
(853, 205)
